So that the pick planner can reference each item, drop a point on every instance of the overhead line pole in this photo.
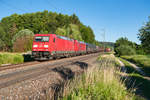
(103, 36)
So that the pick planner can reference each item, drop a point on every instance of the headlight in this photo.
(35, 45)
(46, 46)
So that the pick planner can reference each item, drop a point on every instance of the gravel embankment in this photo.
(44, 86)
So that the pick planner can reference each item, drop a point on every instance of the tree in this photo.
(44, 23)
(87, 34)
(124, 47)
(72, 31)
(2, 45)
(22, 41)
(4, 42)
(144, 36)
(125, 50)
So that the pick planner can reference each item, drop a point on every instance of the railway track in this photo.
(37, 69)
(5, 67)
(26, 64)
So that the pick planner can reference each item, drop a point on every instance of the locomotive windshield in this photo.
(41, 39)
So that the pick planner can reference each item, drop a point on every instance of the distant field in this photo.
(11, 58)
(142, 61)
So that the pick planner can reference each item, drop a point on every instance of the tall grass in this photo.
(99, 83)
(11, 58)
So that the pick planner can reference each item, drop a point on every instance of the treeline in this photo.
(107, 45)
(17, 28)
(125, 47)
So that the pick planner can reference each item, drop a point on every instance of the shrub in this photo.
(125, 50)
(22, 41)
(17, 59)
(11, 58)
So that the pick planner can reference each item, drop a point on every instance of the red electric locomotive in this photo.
(52, 45)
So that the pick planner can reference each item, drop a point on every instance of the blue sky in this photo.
(119, 18)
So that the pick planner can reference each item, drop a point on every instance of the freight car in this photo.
(53, 46)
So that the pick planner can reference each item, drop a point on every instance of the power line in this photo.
(103, 34)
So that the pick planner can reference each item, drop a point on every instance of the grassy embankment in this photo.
(99, 83)
(11, 58)
(142, 85)
(142, 61)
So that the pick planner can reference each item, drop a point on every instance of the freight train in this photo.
(46, 46)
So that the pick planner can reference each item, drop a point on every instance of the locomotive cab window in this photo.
(41, 39)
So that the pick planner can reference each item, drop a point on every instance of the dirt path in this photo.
(123, 69)
(137, 68)
(133, 65)
(120, 62)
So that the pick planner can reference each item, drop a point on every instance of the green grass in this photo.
(142, 61)
(129, 68)
(11, 58)
(142, 85)
(99, 83)
(137, 81)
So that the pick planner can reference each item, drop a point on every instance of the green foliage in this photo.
(100, 84)
(125, 47)
(44, 22)
(142, 61)
(71, 31)
(107, 45)
(140, 50)
(125, 50)
(28, 44)
(23, 33)
(61, 31)
(144, 36)
(2, 44)
(124, 41)
(87, 34)
(135, 78)
(129, 67)
(9, 58)
(74, 32)
(22, 41)
(18, 59)
(141, 84)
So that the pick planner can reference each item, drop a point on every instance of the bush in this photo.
(140, 51)
(17, 59)
(125, 50)
(22, 41)
(11, 58)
